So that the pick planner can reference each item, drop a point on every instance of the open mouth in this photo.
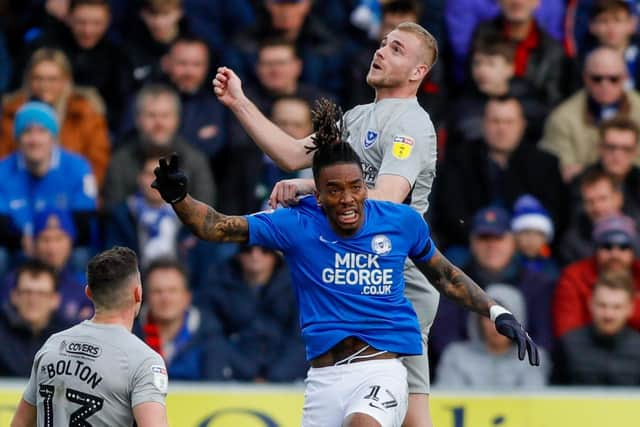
(376, 66)
(348, 217)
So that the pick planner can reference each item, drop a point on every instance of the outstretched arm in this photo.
(455, 284)
(202, 219)
(209, 224)
(287, 152)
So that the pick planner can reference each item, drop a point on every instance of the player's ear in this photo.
(137, 294)
(317, 196)
(87, 292)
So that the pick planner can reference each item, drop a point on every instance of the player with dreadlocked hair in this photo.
(346, 255)
(327, 144)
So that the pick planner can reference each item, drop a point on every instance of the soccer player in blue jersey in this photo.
(346, 255)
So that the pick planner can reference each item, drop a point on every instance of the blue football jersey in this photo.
(68, 185)
(351, 286)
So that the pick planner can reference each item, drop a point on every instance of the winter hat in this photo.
(54, 218)
(35, 113)
(529, 214)
(615, 229)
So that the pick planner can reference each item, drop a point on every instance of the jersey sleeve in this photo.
(150, 382)
(273, 229)
(410, 148)
(423, 246)
(30, 394)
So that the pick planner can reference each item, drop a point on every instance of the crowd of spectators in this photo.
(537, 191)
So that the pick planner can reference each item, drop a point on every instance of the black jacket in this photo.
(465, 185)
(583, 357)
(19, 343)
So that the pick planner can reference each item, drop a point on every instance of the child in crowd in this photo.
(533, 231)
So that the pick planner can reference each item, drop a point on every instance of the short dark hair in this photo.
(276, 41)
(328, 146)
(108, 274)
(502, 99)
(165, 263)
(76, 3)
(618, 280)
(620, 123)
(607, 6)
(158, 6)
(401, 7)
(493, 43)
(593, 176)
(36, 267)
(190, 39)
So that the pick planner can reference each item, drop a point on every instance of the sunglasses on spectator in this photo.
(610, 246)
(599, 78)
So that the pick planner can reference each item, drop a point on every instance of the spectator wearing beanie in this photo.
(54, 233)
(533, 231)
(40, 175)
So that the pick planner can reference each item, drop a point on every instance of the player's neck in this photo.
(395, 92)
(114, 318)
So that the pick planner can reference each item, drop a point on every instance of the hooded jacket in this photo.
(469, 364)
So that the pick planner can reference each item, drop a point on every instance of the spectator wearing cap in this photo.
(571, 131)
(615, 238)
(487, 359)
(28, 317)
(495, 171)
(605, 352)
(54, 234)
(40, 175)
(253, 297)
(533, 231)
(494, 260)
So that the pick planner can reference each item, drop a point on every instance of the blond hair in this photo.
(46, 54)
(430, 54)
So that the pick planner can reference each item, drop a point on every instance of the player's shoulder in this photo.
(388, 208)
(358, 110)
(413, 115)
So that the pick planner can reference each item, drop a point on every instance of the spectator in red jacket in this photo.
(615, 239)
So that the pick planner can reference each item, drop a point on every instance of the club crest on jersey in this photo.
(369, 139)
(381, 244)
(402, 146)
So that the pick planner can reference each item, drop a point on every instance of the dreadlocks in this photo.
(327, 142)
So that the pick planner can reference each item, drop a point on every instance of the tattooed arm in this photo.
(209, 224)
(455, 284)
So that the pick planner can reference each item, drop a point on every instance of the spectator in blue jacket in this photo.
(189, 339)
(28, 318)
(40, 175)
(254, 299)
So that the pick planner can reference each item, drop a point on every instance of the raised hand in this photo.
(228, 87)
(170, 180)
(508, 326)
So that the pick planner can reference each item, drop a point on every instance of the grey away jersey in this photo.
(93, 375)
(395, 137)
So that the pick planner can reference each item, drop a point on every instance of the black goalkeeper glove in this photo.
(170, 180)
(508, 326)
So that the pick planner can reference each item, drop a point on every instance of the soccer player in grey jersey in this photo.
(397, 143)
(98, 373)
